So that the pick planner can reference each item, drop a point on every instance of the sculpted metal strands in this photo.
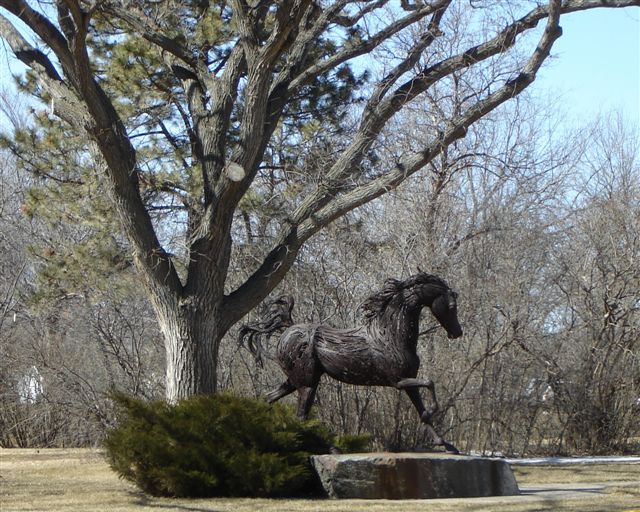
(382, 352)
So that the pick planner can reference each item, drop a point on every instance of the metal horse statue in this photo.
(382, 352)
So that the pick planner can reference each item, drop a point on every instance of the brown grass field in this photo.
(79, 480)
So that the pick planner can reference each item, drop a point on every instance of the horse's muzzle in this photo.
(454, 335)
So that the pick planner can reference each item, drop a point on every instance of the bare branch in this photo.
(456, 130)
(307, 222)
(433, 31)
(140, 24)
(350, 21)
(44, 29)
(64, 101)
(288, 16)
(350, 52)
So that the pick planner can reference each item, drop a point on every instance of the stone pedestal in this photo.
(413, 476)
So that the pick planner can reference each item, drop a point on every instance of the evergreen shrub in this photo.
(219, 445)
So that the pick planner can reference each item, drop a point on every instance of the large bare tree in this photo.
(232, 77)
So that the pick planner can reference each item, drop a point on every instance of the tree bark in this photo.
(192, 340)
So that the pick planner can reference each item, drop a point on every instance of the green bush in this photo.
(218, 445)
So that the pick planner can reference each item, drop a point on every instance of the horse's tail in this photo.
(277, 318)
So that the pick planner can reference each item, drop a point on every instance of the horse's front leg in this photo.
(417, 383)
(414, 394)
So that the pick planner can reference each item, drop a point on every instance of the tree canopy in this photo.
(225, 121)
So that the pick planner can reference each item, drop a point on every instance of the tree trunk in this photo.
(192, 334)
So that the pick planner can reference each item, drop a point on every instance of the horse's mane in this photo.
(378, 302)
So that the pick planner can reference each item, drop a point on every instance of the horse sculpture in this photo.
(382, 352)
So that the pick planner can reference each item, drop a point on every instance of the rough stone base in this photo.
(413, 476)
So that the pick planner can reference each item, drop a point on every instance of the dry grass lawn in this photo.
(80, 480)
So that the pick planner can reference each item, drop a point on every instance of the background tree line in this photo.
(539, 239)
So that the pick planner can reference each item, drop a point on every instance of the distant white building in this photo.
(30, 386)
(539, 390)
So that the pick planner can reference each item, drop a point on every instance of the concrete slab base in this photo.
(413, 476)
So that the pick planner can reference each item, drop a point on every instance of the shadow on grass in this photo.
(142, 500)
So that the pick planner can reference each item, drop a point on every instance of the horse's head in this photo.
(413, 294)
(434, 292)
(445, 308)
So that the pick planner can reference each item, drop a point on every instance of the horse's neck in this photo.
(402, 324)
(402, 320)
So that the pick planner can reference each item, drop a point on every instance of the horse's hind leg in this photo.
(414, 394)
(306, 395)
(285, 388)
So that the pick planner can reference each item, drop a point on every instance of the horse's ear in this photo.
(419, 270)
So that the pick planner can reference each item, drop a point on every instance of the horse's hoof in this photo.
(450, 448)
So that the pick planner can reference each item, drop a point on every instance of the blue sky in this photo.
(595, 65)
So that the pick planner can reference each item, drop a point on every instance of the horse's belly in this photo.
(349, 358)
(362, 371)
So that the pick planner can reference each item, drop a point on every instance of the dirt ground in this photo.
(80, 480)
